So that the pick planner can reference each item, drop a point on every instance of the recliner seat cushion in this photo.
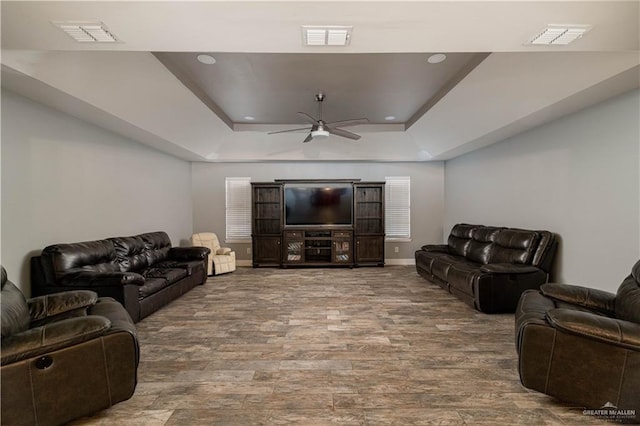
(168, 274)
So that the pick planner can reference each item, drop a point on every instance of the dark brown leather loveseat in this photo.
(488, 267)
(582, 346)
(64, 356)
(142, 272)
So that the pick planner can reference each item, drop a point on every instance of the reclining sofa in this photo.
(64, 356)
(582, 346)
(488, 267)
(142, 272)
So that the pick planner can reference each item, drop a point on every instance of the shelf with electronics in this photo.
(338, 222)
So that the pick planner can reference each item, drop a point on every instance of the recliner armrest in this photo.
(609, 330)
(188, 253)
(224, 251)
(508, 268)
(104, 279)
(46, 338)
(591, 298)
(61, 305)
(438, 248)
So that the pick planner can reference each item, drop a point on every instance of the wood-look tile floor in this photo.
(367, 346)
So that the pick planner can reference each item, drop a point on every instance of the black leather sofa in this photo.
(582, 346)
(488, 267)
(64, 356)
(142, 272)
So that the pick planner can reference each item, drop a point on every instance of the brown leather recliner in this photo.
(64, 356)
(582, 345)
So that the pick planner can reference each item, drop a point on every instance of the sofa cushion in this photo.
(131, 253)
(96, 256)
(151, 286)
(157, 246)
(514, 246)
(627, 304)
(15, 311)
(169, 274)
(459, 239)
(479, 247)
(188, 265)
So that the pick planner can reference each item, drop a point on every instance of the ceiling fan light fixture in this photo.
(319, 134)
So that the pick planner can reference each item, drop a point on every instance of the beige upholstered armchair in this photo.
(221, 259)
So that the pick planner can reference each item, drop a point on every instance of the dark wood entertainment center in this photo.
(282, 237)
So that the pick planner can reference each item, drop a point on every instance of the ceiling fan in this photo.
(321, 130)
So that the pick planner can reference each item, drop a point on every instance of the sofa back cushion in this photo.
(15, 316)
(157, 245)
(60, 259)
(459, 239)
(514, 246)
(482, 238)
(627, 304)
(131, 253)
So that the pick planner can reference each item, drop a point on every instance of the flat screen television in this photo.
(318, 204)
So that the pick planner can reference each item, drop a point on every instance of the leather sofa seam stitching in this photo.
(553, 348)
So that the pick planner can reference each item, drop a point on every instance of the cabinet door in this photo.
(266, 251)
(342, 251)
(370, 249)
(267, 209)
(369, 209)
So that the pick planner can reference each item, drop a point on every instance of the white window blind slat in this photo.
(398, 207)
(238, 208)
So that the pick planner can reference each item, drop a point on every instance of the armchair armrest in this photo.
(224, 251)
(103, 279)
(509, 268)
(438, 248)
(189, 253)
(40, 340)
(58, 305)
(590, 298)
(609, 330)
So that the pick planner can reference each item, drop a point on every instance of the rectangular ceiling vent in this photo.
(87, 32)
(559, 34)
(333, 35)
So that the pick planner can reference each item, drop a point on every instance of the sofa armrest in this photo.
(103, 279)
(508, 268)
(590, 298)
(438, 248)
(46, 338)
(61, 305)
(189, 253)
(223, 251)
(609, 330)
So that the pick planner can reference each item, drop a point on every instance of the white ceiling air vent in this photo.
(87, 32)
(559, 34)
(332, 35)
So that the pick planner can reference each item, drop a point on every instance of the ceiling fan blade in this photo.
(343, 133)
(309, 118)
(345, 123)
(308, 138)
(290, 130)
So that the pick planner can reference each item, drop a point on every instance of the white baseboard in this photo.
(399, 262)
(390, 262)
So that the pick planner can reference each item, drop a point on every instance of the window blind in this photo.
(398, 207)
(238, 209)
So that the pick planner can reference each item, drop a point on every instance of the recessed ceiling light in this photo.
(326, 35)
(207, 59)
(436, 58)
(249, 118)
(390, 117)
(559, 34)
(86, 32)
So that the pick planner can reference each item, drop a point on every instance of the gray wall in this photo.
(427, 197)
(577, 176)
(64, 180)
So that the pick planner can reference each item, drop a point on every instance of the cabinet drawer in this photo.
(341, 234)
(293, 234)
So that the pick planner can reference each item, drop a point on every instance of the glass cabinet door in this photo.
(342, 251)
(294, 251)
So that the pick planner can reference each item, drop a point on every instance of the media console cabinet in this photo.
(317, 223)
